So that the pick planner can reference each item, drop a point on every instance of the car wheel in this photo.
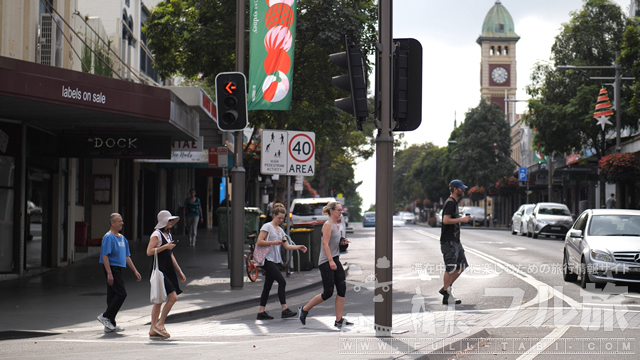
(584, 277)
(567, 274)
(513, 229)
(534, 235)
(522, 232)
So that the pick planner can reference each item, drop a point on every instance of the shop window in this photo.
(102, 189)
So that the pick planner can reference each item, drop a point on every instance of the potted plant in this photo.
(476, 193)
(507, 185)
(619, 168)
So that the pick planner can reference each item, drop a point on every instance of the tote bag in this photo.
(260, 253)
(158, 292)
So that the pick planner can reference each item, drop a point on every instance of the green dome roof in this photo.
(498, 23)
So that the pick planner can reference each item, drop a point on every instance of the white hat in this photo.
(163, 218)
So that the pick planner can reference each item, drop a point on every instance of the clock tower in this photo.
(498, 66)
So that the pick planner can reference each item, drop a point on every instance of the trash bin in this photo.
(316, 239)
(302, 236)
(251, 223)
(223, 230)
(81, 233)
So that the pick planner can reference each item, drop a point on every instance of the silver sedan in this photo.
(603, 246)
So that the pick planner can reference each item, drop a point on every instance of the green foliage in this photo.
(482, 154)
(406, 187)
(102, 62)
(86, 58)
(630, 60)
(563, 101)
(427, 173)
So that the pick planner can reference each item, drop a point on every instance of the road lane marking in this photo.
(543, 344)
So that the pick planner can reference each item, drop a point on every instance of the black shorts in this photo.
(453, 254)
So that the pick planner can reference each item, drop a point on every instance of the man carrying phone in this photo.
(452, 250)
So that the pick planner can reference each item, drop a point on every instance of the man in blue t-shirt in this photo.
(115, 256)
(452, 251)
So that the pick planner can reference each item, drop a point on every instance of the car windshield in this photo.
(615, 225)
(559, 211)
(308, 209)
(528, 210)
(369, 214)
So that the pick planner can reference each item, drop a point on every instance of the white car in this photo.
(603, 245)
(310, 210)
(520, 218)
(407, 217)
(398, 221)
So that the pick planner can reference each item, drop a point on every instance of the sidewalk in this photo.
(70, 298)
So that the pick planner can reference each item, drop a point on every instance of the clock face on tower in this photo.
(499, 75)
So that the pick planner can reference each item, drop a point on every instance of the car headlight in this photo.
(601, 256)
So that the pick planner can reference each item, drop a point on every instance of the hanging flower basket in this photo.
(476, 193)
(507, 186)
(619, 168)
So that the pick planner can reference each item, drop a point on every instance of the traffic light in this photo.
(355, 82)
(231, 101)
(407, 84)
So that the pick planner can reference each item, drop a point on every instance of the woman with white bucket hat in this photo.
(162, 240)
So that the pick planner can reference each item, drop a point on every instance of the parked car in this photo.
(549, 219)
(439, 218)
(603, 245)
(520, 218)
(369, 219)
(408, 217)
(310, 209)
(398, 221)
(476, 213)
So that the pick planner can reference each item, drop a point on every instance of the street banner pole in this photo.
(238, 173)
(384, 163)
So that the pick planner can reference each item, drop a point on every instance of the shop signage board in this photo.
(219, 157)
(287, 153)
(114, 146)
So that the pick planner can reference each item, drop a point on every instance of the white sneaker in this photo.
(117, 329)
(106, 322)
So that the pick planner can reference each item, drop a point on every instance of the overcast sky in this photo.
(450, 29)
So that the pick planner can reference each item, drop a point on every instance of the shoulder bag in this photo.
(158, 292)
(260, 253)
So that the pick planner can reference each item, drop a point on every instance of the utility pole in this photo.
(384, 164)
(236, 247)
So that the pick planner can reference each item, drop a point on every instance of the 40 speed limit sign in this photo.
(288, 152)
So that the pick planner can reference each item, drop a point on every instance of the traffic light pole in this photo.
(238, 172)
(384, 180)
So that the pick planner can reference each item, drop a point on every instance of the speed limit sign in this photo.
(302, 151)
(288, 152)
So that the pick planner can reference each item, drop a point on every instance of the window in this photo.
(492, 51)
(499, 50)
(499, 28)
(506, 50)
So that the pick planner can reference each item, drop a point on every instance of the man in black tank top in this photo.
(452, 251)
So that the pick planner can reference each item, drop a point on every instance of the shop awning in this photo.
(66, 102)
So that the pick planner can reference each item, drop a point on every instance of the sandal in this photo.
(161, 331)
(155, 336)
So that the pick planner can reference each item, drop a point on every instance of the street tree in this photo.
(563, 101)
(406, 188)
(482, 154)
(427, 173)
(196, 39)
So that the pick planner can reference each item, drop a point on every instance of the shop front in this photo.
(68, 141)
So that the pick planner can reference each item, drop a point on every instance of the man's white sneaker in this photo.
(117, 329)
(106, 322)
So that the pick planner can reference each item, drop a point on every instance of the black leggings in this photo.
(331, 278)
(273, 273)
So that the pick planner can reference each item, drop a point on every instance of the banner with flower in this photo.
(619, 168)
(271, 48)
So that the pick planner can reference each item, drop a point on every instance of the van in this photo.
(310, 210)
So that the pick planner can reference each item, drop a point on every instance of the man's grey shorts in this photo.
(453, 255)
